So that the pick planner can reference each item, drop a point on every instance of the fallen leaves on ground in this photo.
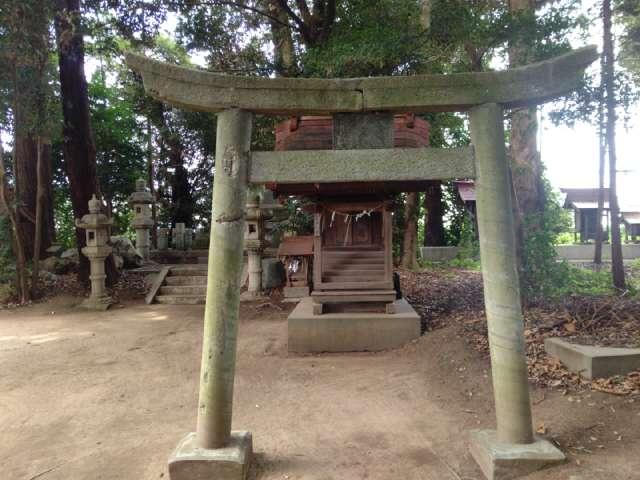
(454, 297)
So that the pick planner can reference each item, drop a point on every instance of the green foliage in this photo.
(121, 154)
(378, 37)
(297, 221)
(565, 238)
(542, 274)
(64, 220)
(7, 261)
(629, 16)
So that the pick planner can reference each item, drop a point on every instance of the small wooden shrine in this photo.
(296, 254)
(584, 203)
(352, 238)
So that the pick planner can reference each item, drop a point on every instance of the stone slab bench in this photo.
(593, 362)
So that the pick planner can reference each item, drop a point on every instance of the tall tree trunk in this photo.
(425, 14)
(40, 199)
(409, 248)
(433, 213)
(18, 248)
(617, 267)
(602, 141)
(26, 171)
(527, 167)
(27, 27)
(284, 54)
(78, 144)
(181, 198)
(150, 181)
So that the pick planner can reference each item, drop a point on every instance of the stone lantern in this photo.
(254, 245)
(96, 225)
(141, 201)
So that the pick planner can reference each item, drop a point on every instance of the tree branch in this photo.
(303, 28)
(304, 10)
(229, 3)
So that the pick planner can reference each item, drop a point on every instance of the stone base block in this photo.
(189, 462)
(503, 461)
(594, 362)
(296, 292)
(102, 303)
(351, 332)
(248, 296)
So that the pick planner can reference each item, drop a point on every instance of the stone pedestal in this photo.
(506, 461)
(189, 462)
(96, 225)
(254, 266)
(141, 201)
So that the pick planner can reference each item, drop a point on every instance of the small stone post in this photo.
(512, 450)
(163, 238)
(214, 451)
(141, 201)
(188, 238)
(96, 225)
(178, 236)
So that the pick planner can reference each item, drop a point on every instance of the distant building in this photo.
(631, 225)
(584, 203)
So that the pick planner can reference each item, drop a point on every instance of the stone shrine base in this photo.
(189, 462)
(351, 331)
(500, 461)
(593, 362)
(97, 303)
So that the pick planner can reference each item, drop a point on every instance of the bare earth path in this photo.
(108, 395)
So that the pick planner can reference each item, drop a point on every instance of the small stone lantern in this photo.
(254, 244)
(141, 201)
(96, 225)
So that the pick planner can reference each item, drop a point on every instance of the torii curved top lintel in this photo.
(212, 92)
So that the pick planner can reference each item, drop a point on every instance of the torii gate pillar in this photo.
(511, 450)
(214, 451)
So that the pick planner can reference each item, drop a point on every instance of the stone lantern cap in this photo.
(94, 219)
(142, 194)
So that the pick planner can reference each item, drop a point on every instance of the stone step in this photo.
(186, 280)
(184, 290)
(192, 270)
(181, 299)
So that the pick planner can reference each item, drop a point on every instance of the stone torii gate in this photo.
(214, 451)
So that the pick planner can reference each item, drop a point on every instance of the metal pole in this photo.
(500, 277)
(215, 404)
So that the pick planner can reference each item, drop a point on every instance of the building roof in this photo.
(632, 218)
(583, 198)
(466, 190)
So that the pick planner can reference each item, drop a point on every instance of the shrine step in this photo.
(182, 285)
(181, 299)
(187, 280)
(193, 270)
(184, 290)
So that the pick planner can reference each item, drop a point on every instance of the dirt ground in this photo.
(108, 396)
